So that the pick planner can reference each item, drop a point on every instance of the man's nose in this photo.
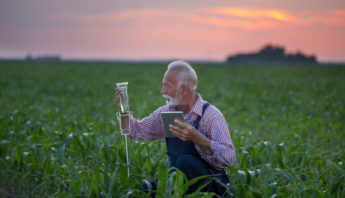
(163, 90)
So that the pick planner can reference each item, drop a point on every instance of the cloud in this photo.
(250, 13)
(129, 17)
(248, 19)
(276, 16)
(222, 22)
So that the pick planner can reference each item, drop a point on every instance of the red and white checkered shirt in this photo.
(212, 125)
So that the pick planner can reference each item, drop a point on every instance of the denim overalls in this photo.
(177, 147)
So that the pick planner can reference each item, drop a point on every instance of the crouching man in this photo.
(202, 145)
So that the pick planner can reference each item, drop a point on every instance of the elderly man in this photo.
(203, 145)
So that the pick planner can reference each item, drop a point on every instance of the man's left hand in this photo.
(185, 132)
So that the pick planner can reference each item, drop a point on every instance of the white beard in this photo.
(173, 101)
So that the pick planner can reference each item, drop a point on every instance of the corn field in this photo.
(59, 136)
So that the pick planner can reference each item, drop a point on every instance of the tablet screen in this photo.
(168, 118)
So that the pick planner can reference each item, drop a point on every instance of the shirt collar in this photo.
(197, 108)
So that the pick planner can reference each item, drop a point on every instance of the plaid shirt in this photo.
(212, 125)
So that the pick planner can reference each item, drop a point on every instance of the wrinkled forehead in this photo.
(171, 76)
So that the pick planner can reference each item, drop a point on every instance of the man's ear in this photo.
(184, 89)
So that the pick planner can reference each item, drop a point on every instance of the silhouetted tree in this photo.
(272, 54)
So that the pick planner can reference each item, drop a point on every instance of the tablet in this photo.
(168, 118)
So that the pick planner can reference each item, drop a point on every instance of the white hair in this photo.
(186, 74)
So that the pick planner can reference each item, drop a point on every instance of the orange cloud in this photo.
(249, 13)
(223, 22)
(340, 13)
(325, 17)
(337, 18)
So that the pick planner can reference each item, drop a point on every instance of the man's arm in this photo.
(216, 129)
(149, 128)
(215, 143)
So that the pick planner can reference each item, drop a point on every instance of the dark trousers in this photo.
(193, 167)
(184, 156)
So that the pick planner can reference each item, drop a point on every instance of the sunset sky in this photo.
(163, 29)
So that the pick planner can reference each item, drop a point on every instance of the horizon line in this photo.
(118, 60)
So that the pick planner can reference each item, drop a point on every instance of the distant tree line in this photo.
(272, 54)
(50, 58)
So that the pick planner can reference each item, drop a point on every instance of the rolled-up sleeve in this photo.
(149, 128)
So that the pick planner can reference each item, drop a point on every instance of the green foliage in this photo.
(59, 136)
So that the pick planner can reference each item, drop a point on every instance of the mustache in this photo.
(167, 96)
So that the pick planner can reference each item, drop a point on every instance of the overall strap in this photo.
(196, 122)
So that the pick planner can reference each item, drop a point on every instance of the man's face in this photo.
(170, 89)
